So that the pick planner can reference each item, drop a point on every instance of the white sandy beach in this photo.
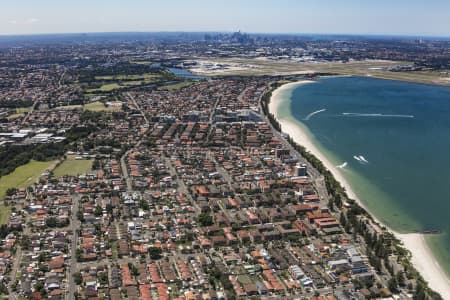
(422, 257)
(424, 261)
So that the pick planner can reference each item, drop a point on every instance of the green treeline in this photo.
(13, 156)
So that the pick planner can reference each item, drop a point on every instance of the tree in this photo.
(80, 216)
(330, 204)
(223, 278)
(51, 222)
(133, 269)
(4, 231)
(103, 278)
(155, 252)
(420, 293)
(205, 219)
(3, 289)
(11, 192)
(43, 267)
(109, 208)
(77, 278)
(98, 211)
(96, 164)
(25, 242)
(401, 279)
(143, 204)
(79, 254)
(39, 287)
(392, 284)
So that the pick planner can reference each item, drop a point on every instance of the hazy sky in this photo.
(404, 17)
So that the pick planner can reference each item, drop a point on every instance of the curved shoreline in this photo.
(422, 256)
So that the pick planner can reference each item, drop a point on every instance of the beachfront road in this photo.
(317, 178)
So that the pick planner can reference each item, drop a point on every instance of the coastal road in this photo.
(317, 178)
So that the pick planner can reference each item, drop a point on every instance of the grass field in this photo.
(95, 106)
(72, 166)
(92, 106)
(5, 211)
(106, 88)
(123, 81)
(244, 279)
(176, 85)
(21, 110)
(133, 83)
(128, 77)
(15, 116)
(99, 106)
(70, 107)
(24, 176)
(117, 86)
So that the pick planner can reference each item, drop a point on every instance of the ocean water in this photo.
(392, 140)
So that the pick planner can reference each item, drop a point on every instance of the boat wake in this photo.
(347, 114)
(361, 159)
(342, 166)
(314, 113)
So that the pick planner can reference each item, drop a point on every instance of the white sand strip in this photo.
(424, 261)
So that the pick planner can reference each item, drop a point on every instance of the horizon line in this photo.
(225, 31)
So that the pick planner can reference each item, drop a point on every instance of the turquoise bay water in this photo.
(395, 140)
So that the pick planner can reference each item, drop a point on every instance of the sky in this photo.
(392, 17)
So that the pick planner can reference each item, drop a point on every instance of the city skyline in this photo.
(412, 18)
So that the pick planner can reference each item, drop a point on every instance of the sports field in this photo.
(22, 177)
(100, 106)
(72, 166)
(176, 86)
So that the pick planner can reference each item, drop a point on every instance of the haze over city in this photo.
(417, 18)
